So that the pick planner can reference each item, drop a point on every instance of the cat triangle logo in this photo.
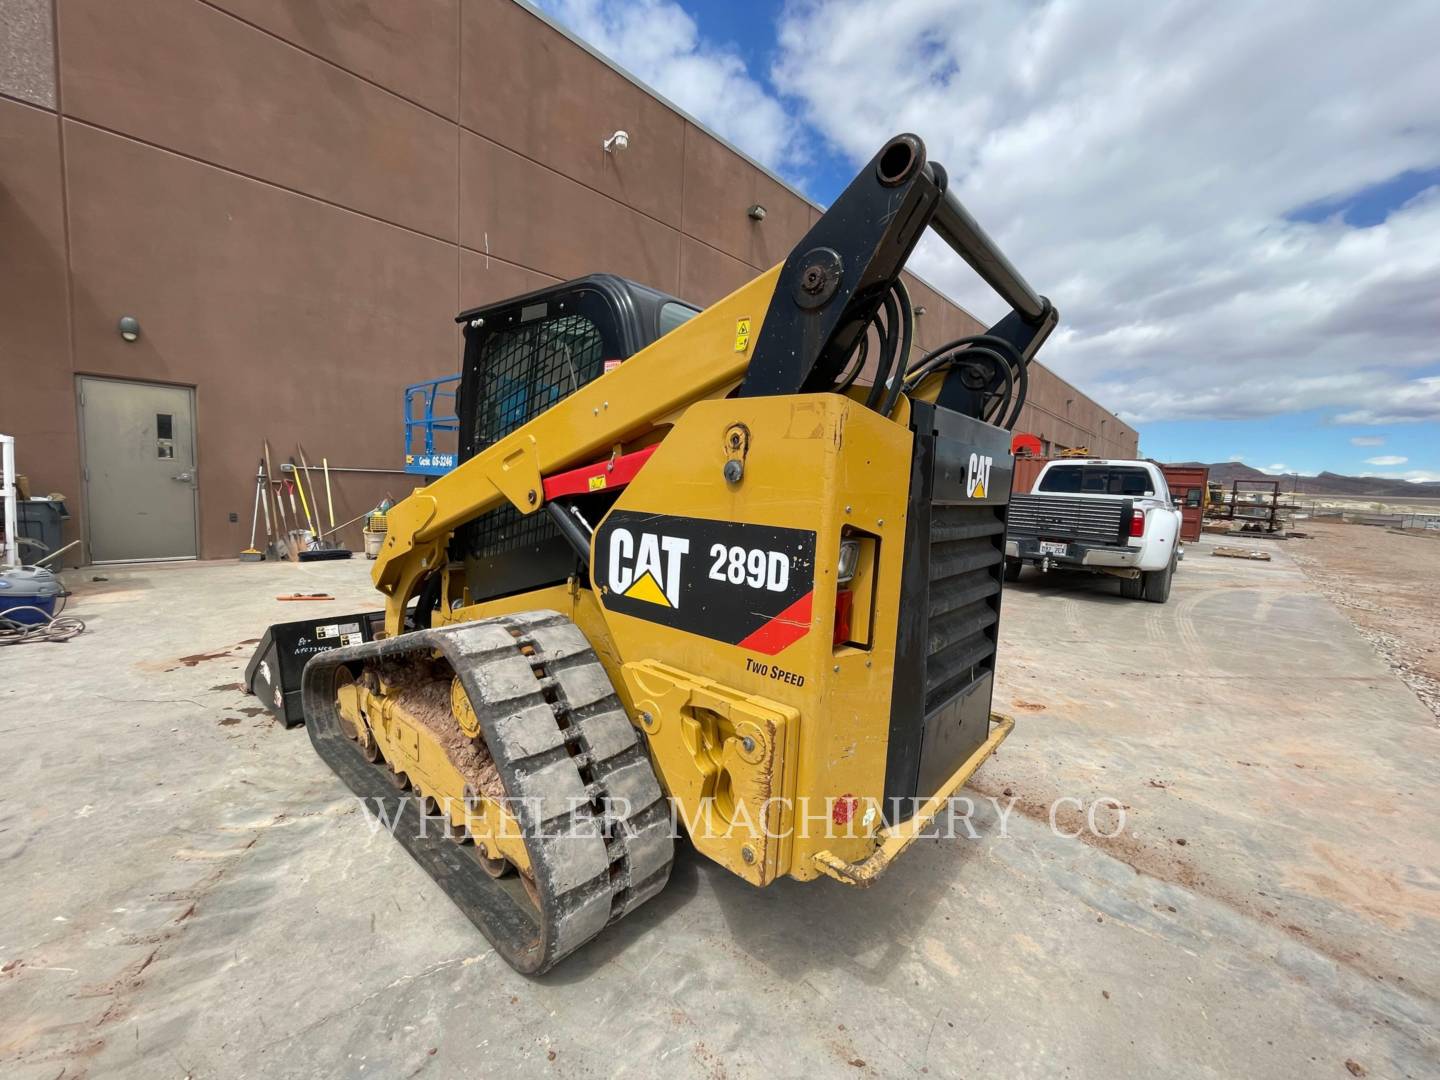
(647, 566)
(977, 476)
(647, 588)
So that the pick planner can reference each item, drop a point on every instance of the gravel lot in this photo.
(1387, 582)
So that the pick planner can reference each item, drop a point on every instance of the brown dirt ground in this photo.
(1388, 583)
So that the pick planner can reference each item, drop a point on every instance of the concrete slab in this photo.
(189, 891)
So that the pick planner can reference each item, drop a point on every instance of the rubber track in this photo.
(595, 824)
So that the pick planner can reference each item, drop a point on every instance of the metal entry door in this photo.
(139, 443)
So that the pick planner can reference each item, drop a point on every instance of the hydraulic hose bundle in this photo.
(893, 325)
(987, 364)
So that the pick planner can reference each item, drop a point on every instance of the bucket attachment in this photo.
(273, 674)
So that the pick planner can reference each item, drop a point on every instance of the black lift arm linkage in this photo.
(836, 279)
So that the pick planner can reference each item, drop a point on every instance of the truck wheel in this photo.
(1012, 569)
(1132, 588)
(1157, 583)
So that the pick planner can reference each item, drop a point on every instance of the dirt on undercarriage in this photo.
(424, 693)
(1386, 582)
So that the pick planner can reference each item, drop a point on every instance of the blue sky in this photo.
(1236, 209)
(1305, 442)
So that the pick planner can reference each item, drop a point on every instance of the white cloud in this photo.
(1412, 402)
(1368, 440)
(659, 42)
(1138, 162)
(1415, 476)
(1388, 459)
(1276, 470)
(1237, 457)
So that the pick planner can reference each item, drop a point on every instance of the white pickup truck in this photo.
(1107, 516)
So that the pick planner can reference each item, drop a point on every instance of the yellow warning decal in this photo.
(647, 588)
(742, 334)
(597, 482)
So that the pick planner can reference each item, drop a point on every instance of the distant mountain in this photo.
(1327, 483)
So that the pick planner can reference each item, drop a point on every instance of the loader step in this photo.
(576, 777)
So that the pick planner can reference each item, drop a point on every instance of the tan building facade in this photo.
(294, 200)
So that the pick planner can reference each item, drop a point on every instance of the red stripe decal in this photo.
(607, 475)
(783, 630)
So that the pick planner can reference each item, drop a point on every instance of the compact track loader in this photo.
(693, 573)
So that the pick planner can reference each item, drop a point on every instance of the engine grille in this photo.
(949, 619)
(1064, 517)
(965, 549)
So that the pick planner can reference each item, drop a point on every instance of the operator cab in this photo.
(521, 357)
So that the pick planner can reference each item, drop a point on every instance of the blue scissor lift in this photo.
(430, 408)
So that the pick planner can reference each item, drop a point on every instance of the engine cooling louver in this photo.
(963, 558)
(946, 639)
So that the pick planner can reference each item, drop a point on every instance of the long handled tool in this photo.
(291, 551)
(265, 495)
(319, 548)
(329, 499)
(336, 528)
(252, 553)
(304, 502)
(289, 488)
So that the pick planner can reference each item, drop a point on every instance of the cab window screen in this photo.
(525, 369)
(1096, 480)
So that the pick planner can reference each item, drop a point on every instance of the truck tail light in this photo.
(844, 604)
(1137, 523)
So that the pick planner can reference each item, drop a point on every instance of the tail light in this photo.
(844, 604)
(1137, 523)
(845, 598)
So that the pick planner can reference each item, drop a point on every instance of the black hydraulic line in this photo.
(995, 360)
(888, 348)
(968, 240)
(862, 353)
(1005, 357)
(429, 599)
(907, 335)
(938, 358)
(997, 415)
(570, 529)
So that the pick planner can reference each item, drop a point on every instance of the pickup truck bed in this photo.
(1070, 517)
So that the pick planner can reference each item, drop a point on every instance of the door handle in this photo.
(184, 477)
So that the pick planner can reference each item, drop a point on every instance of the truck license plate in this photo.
(1050, 547)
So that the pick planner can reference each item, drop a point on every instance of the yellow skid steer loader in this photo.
(694, 573)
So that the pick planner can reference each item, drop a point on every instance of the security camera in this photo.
(619, 141)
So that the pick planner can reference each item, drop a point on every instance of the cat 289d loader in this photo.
(694, 573)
